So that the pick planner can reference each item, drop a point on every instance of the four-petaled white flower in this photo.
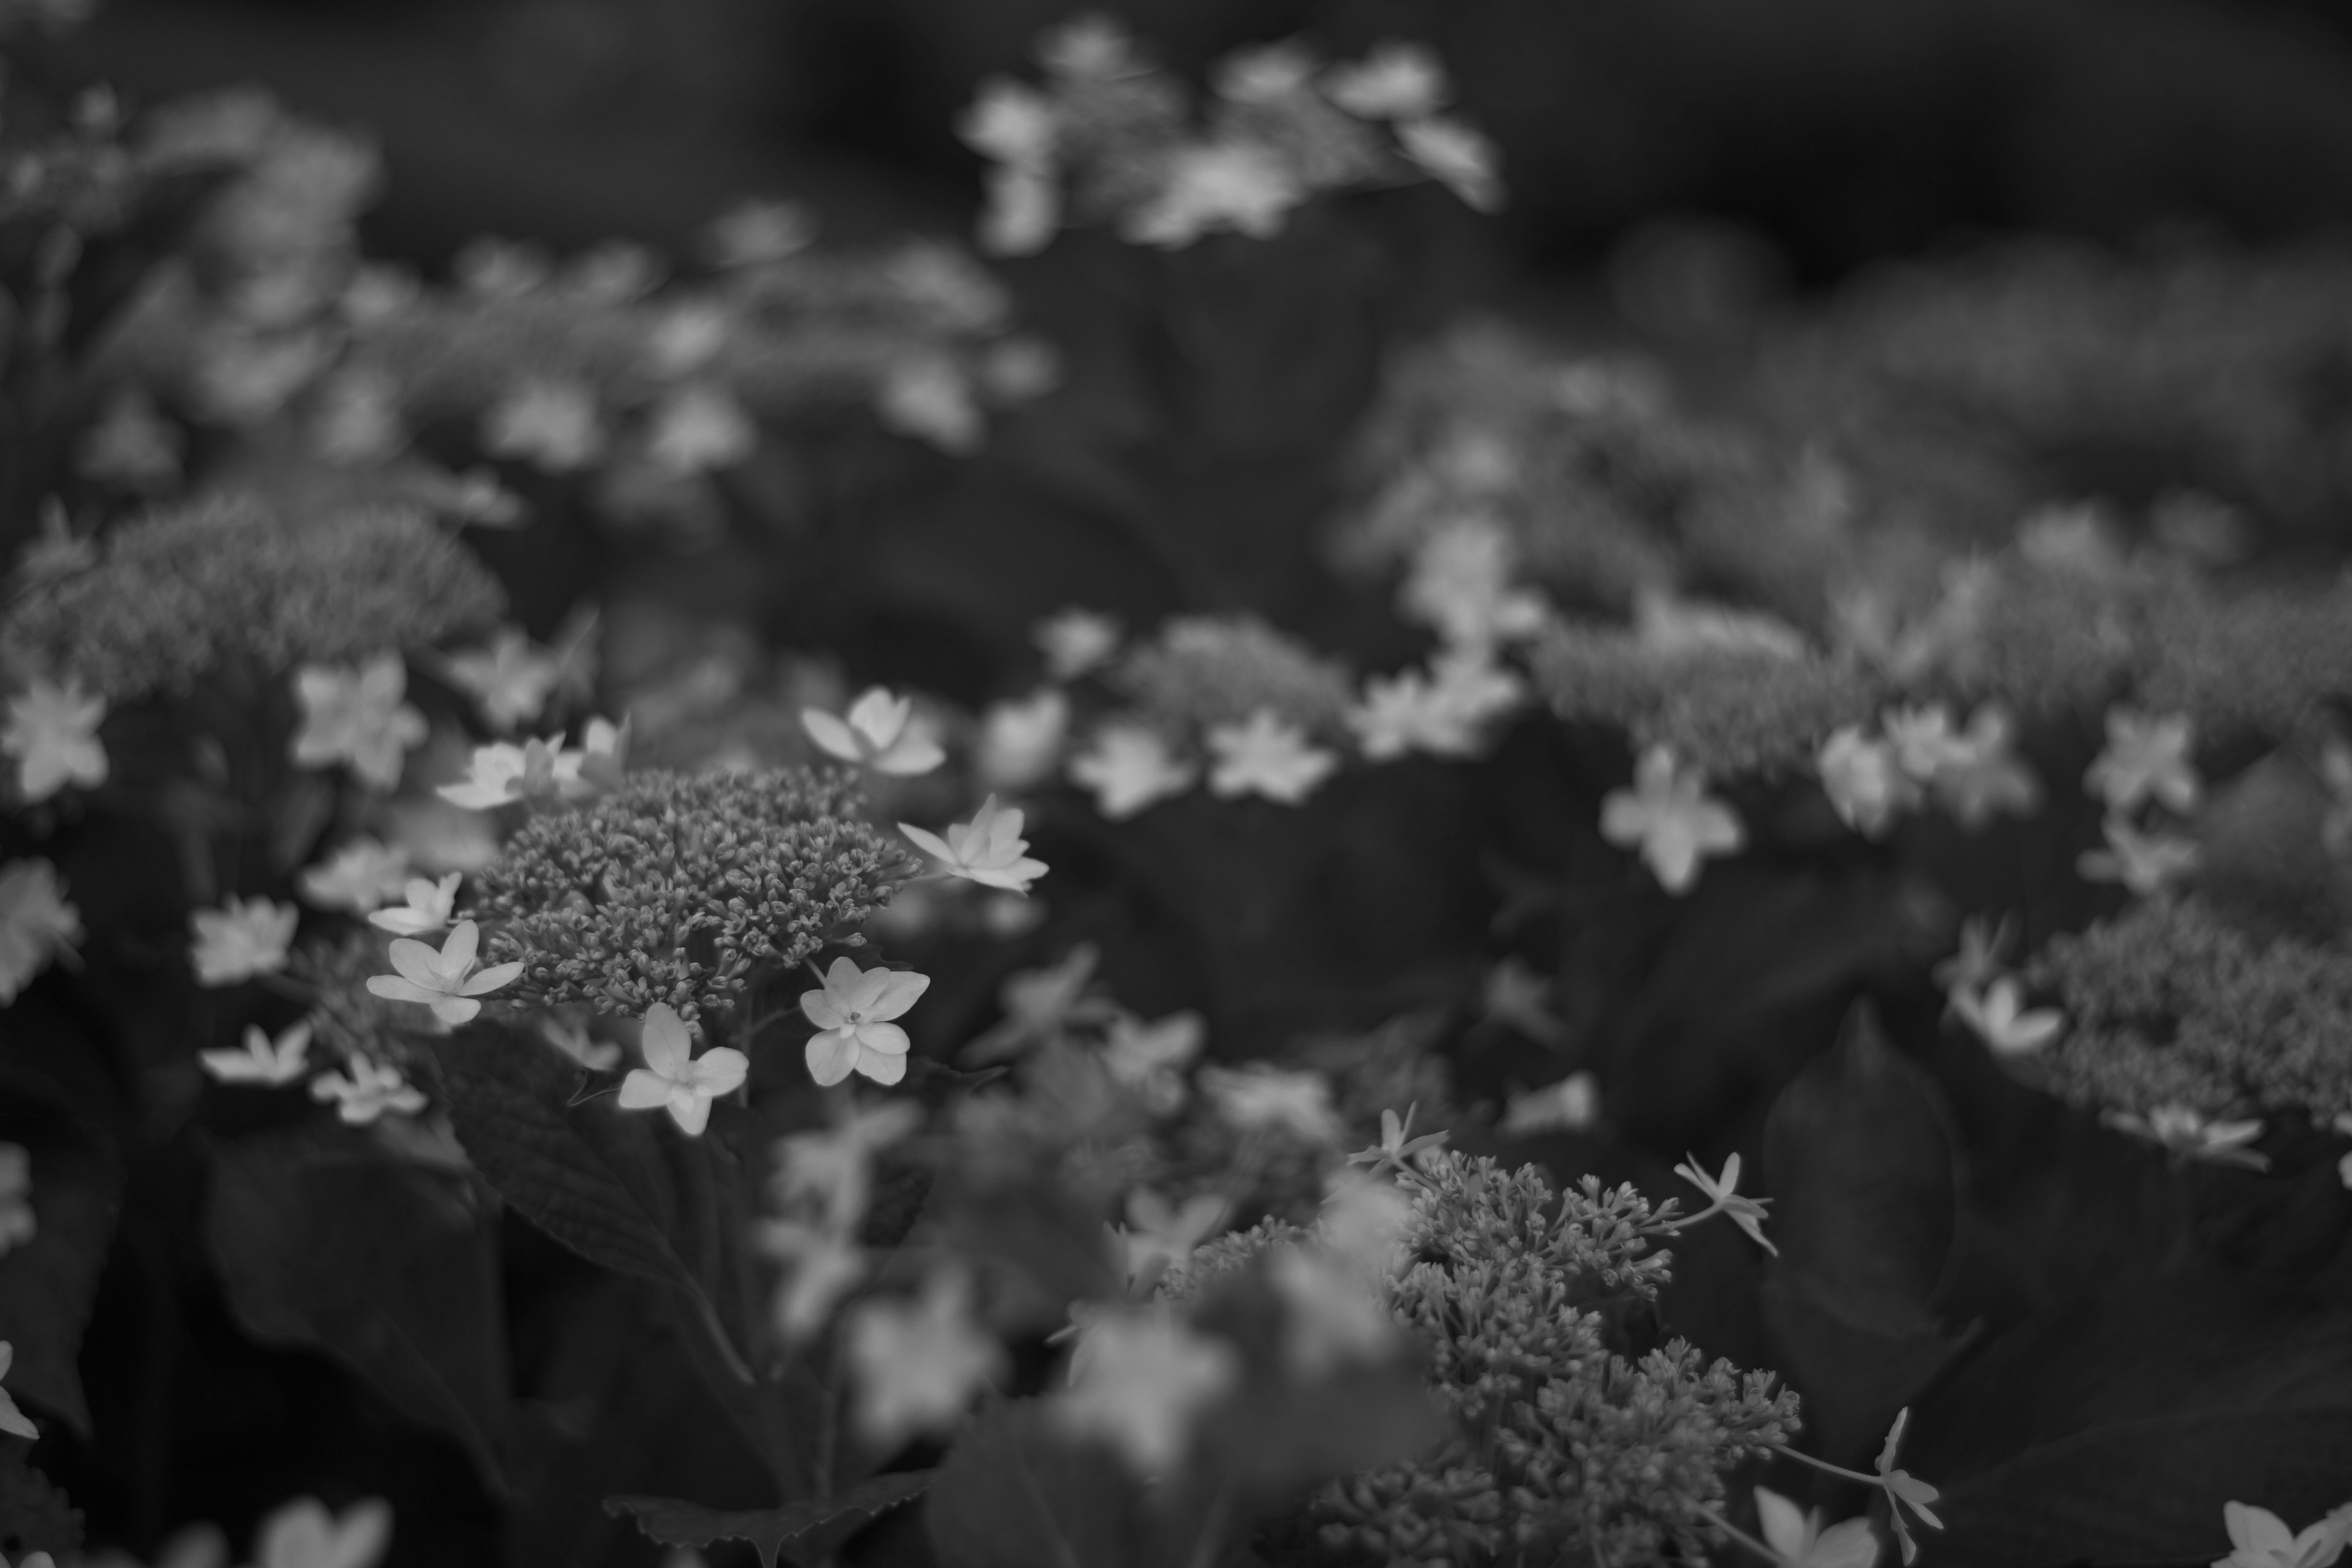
(1159, 1236)
(303, 1534)
(243, 938)
(12, 1420)
(443, 981)
(18, 1223)
(2145, 863)
(2189, 1132)
(429, 907)
(1671, 818)
(1076, 642)
(511, 681)
(36, 924)
(1265, 756)
(1019, 742)
(2148, 757)
(2261, 1539)
(1723, 1197)
(551, 424)
(1864, 780)
(1129, 766)
(52, 732)
(878, 733)
(2000, 1018)
(1800, 1541)
(1398, 1149)
(918, 1365)
(261, 1062)
(853, 1015)
(989, 850)
(1570, 1105)
(1456, 156)
(1395, 82)
(1902, 1489)
(676, 1081)
(501, 774)
(356, 715)
(1260, 1095)
(364, 1091)
(359, 876)
(1139, 1379)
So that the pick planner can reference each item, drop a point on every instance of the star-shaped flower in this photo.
(13, 1420)
(674, 1079)
(989, 850)
(36, 924)
(359, 876)
(1140, 1379)
(1982, 774)
(919, 1365)
(2148, 757)
(1043, 1005)
(1800, 1541)
(363, 1091)
(1129, 766)
(501, 774)
(1076, 642)
(356, 715)
(2189, 1132)
(261, 1062)
(1903, 1489)
(443, 981)
(1865, 781)
(853, 1015)
(2145, 863)
(510, 679)
(1723, 1197)
(1671, 818)
(2000, 1018)
(1159, 1236)
(2261, 1539)
(1397, 1150)
(1261, 1095)
(1265, 756)
(1568, 1105)
(243, 938)
(572, 1038)
(1441, 714)
(878, 733)
(428, 908)
(52, 732)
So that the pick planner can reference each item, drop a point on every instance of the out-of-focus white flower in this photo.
(1516, 996)
(363, 1091)
(1260, 1096)
(1669, 817)
(1265, 756)
(2188, 1131)
(2145, 863)
(553, 425)
(1333, 1317)
(1129, 766)
(1571, 1105)
(2146, 757)
(676, 1081)
(1865, 781)
(853, 1015)
(918, 1365)
(429, 907)
(1800, 1541)
(821, 1265)
(1411, 711)
(878, 733)
(571, 1036)
(243, 938)
(1457, 157)
(272, 1065)
(989, 850)
(1016, 127)
(443, 981)
(12, 1420)
(359, 876)
(1266, 74)
(303, 1534)
(1076, 642)
(1159, 1236)
(1981, 774)
(501, 774)
(1460, 584)
(699, 428)
(52, 732)
(18, 1223)
(755, 232)
(1021, 742)
(929, 396)
(833, 1166)
(1141, 1378)
(511, 681)
(2000, 1018)
(36, 924)
(1148, 1057)
(1395, 82)
(1212, 185)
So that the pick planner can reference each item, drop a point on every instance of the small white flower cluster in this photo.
(1918, 752)
(2147, 762)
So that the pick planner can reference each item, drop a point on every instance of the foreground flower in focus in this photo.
(1671, 818)
(1723, 1197)
(52, 732)
(878, 733)
(1904, 1489)
(243, 938)
(2261, 1539)
(444, 980)
(676, 1079)
(501, 774)
(853, 1015)
(989, 850)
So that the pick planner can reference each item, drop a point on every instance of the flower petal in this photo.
(885, 1039)
(821, 1009)
(460, 950)
(492, 978)
(457, 1009)
(690, 1110)
(395, 988)
(831, 1055)
(720, 1071)
(419, 964)
(897, 991)
(666, 1041)
(882, 1069)
(642, 1091)
(831, 735)
(930, 843)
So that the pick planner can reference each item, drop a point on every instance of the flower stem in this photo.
(1826, 1468)
(1741, 1536)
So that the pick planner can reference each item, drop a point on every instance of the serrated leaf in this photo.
(801, 1533)
(46, 1284)
(1015, 1493)
(324, 1239)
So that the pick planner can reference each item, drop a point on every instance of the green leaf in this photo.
(1017, 1493)
(324, 1238)
(46, 1284)
(801, 1533)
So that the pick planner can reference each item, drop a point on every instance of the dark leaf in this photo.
(325, 1239)
(46, 1284)
(801, 1533)
(1015, 1493)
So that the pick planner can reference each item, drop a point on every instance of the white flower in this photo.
(36, 924)
(1456, 156)
(698, 427)
(1211, 185)
(364, 1091)
(261, 1062)
(1266, 755)
(822, 1265)
(1516, 996)
(243, 938)
(13, 1420)
(989, 850)
(443, 981)
(1159, 1235)
(1923, 739)
(1395, 82)
(52, 732)
(1019, 742)
(1801, 1541)
(929, 396)
(1459, 585)
(511, 679)
(429, 907)
(2187, 1132)
(1410, 711)
(1333, 1314)
(18, 1223)
(1129, 766)
(879, 732)
(359, 876)
(1024, 209)
(1669, 816)
(1015, 126)
(2261, 1539)
(1976, 962)
(551, 424)
(1865, 781)
(2147, 758)
(1571, 1105)
(1981, 776)
(1723, 1197)
(918, 1365)
(2145, 863)
(356, 716)
(853, 1015)
(1146, 1057)
(834, 1165)
(1140, 1378)
(676, 1081)
(1260, 1095)
(1076, 642)
(1265, 74)
(303, 1534)
(571, 1036)
(1999, 1015)
(501, 774)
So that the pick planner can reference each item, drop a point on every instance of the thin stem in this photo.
(1826, 1468)
(1741, 1536)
